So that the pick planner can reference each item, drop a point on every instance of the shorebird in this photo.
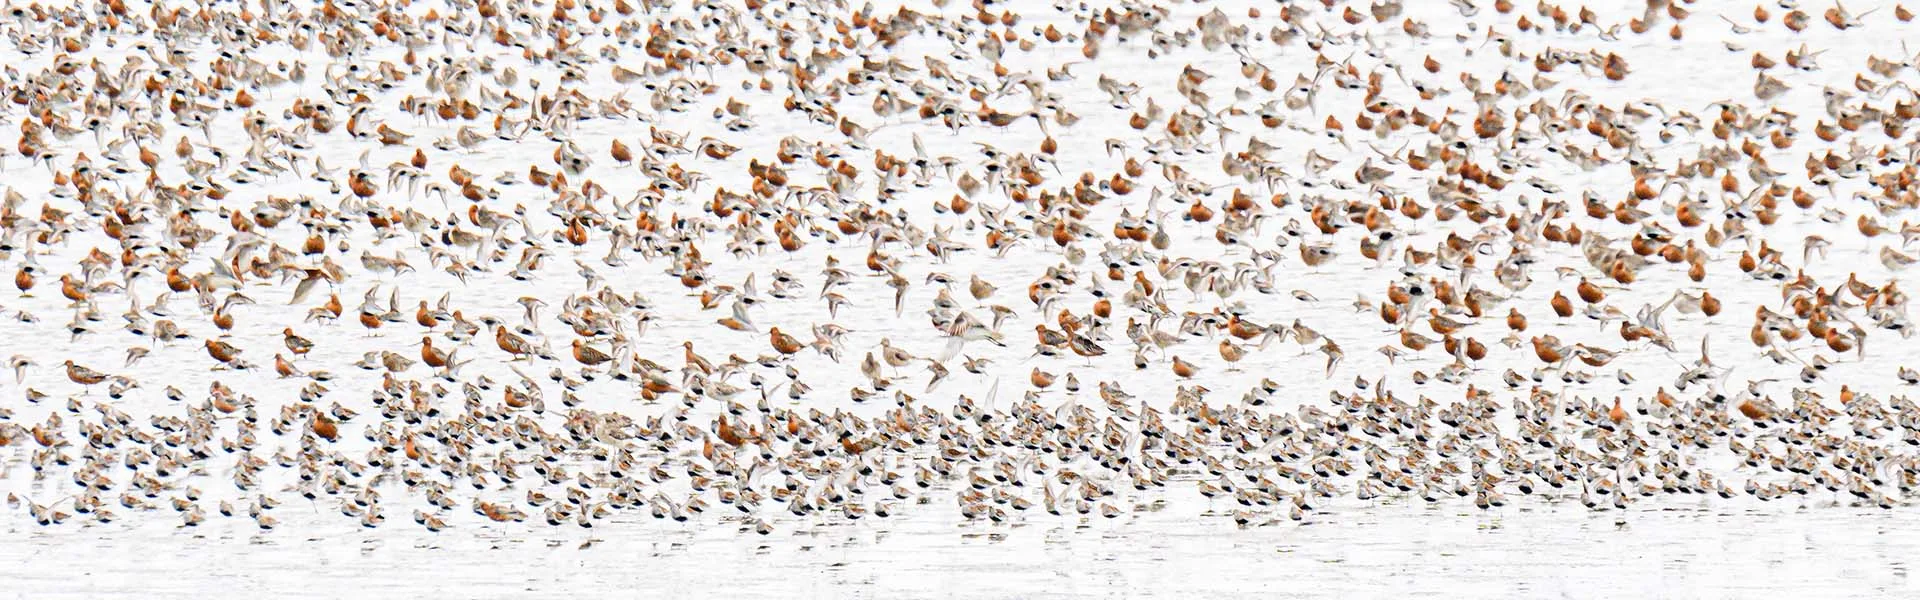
(77, 374)
(1130, 218)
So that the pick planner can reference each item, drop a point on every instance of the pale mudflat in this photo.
(768, 299)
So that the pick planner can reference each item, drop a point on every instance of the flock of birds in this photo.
(776, 261)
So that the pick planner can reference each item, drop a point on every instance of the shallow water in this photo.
(1392, 549)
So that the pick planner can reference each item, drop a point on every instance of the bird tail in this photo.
(453, 366)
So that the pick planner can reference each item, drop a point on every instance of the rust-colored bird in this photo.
(511, 343)
(1040, 379)
(733, 437)
(1589, 292)
(370, 321)
(1515, 320)
(588, 355)
(430, 355)
(425, 318)
(1184, 369)
(221, 351)
(324, 426)
(694, 361)
(781, 342)
(284, 367)
(1232, 353)
(1548, 349)
(73, 289)
(299, 346)
(82, 375)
